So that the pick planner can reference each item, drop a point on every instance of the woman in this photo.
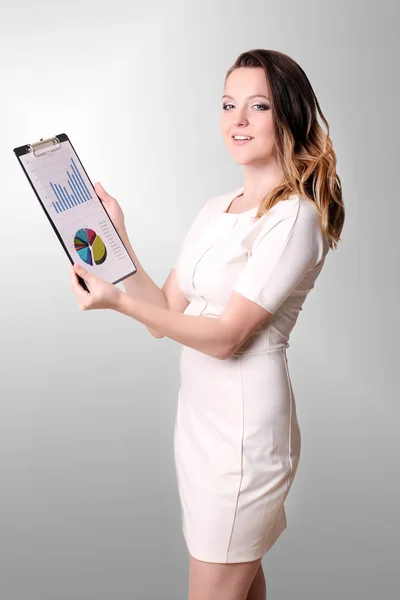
(245, 267)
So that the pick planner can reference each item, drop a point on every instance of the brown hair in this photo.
(304, 151)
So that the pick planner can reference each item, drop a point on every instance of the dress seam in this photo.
(251, 352)
(290, 413)
(289, 472)
(241, 459)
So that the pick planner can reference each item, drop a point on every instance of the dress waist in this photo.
(259, 341)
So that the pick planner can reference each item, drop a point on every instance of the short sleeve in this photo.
(285, 250)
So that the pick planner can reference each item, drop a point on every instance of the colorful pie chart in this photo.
(90, 246)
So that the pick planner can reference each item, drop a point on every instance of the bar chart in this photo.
(77, 193)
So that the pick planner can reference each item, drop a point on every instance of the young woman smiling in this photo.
(244, 270)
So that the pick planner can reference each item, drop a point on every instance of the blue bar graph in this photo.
(78, 192)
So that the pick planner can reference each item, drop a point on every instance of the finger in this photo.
(76, 286)
(88, 277)
(102, 192)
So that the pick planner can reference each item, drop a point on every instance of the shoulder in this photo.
(297, 218)
(218, 202)
(206, 215)
(298, 209)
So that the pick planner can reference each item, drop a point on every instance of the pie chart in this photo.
(90, 246)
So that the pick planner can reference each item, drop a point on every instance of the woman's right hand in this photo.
(112, 207)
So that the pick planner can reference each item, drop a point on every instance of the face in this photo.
(246, 111)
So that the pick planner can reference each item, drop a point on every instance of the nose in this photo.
(241, 117)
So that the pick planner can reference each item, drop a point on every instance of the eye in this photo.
(263, 106)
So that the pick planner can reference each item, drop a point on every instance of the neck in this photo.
(260, 180)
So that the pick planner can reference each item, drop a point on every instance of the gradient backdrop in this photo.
(88, 503)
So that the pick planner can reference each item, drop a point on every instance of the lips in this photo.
(241, 142)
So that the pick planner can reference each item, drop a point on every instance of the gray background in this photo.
(89, 506)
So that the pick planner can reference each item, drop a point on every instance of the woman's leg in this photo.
(258, 588)
(221, 581)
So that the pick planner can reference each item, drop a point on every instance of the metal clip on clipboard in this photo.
(35, 148)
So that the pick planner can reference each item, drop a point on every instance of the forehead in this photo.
(245, 81)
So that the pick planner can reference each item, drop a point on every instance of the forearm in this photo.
(208, 335)
(140, 285)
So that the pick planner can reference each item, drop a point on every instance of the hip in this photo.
(258, 380)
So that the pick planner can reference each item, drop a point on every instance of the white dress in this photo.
(236, 437)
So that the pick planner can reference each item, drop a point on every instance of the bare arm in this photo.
(210, 336)
(141, 287)
(158, 309)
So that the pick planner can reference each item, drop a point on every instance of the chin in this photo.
(245, 160)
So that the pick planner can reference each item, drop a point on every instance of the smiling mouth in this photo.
(241, 142)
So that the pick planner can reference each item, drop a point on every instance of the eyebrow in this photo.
(252, 96)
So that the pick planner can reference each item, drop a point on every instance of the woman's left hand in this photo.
(102, 294)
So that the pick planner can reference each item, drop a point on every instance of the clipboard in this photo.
(75, 212)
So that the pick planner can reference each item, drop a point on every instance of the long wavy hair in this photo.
(304, 151)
